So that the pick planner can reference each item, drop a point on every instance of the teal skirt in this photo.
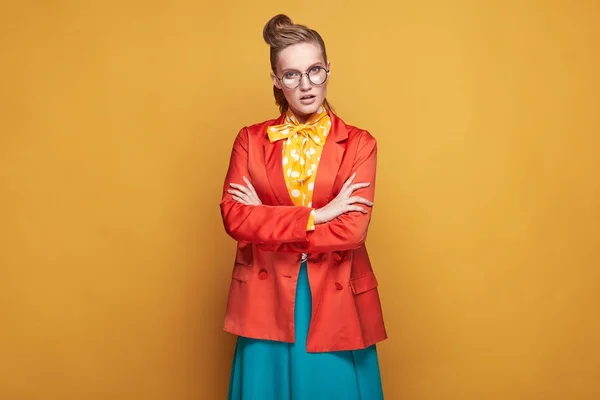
(269, 370)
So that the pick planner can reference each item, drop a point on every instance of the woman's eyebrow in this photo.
(319, 63)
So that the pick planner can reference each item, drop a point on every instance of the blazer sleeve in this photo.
(261, 224)
(349, 230)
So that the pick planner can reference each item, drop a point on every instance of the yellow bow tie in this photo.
(301, 139)
(300, 132)
(315, 128)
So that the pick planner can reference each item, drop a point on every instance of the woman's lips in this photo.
(308, 99)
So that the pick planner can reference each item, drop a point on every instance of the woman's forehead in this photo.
(300, 56)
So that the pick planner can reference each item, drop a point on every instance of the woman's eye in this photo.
(290, 75)
(315, 69)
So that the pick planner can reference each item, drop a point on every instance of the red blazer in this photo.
(346, 309)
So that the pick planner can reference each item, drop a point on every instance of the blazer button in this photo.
(338, 286)
(262, 275)
(337, 256)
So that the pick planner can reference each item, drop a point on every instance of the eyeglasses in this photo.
(316, 75)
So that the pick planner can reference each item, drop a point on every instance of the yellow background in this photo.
(116, 123)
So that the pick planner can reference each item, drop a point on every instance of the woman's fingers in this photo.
(249, 184)
(355, 208)
(348, 182)
(351, 188)
(358, 199)
(238, 194)
(357, 186)
(241, 188)
(238, 199)
(247, 195)
(253, 194)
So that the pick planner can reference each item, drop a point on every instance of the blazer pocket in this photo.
(363, 283)
(241, 272)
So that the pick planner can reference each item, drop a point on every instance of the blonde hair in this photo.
(279, 33)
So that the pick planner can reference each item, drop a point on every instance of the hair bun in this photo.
(272, 28)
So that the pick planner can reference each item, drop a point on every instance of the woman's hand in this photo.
(343, 202)
(244, 194)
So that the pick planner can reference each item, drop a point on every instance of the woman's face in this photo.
(302, 58)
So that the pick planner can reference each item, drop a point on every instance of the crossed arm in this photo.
(340, 225)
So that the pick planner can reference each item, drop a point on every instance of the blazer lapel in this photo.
(273, 164)
(331, 158)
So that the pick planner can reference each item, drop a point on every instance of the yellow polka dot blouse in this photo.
(301, 154)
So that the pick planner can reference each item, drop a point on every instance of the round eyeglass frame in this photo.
(307, 76)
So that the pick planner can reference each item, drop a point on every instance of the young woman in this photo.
(297, 198)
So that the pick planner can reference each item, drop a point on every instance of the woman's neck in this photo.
(302, 118)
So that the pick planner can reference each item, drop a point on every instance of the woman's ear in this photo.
(276, 82)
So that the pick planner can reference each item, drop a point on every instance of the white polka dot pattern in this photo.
(301, 152)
